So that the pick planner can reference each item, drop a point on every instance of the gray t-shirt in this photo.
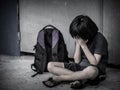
(99, 45)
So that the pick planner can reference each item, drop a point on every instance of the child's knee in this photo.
(50, 66)
(91, 72)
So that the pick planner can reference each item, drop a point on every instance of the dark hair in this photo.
(82, 26)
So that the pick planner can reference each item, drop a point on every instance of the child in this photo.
(90, 57)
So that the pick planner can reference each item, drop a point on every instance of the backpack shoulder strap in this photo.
(40, 39)
(55, 37)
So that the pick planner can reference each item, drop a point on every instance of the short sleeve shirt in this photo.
(99, 45)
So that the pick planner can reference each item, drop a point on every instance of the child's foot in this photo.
(51, 83)
(77, 85)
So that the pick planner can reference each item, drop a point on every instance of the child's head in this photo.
(83, 27)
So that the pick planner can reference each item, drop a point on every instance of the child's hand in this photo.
(81, 42)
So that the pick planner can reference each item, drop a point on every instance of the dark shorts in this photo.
(77, 67)
(74, 66)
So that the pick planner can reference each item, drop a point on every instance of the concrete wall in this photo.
(35, 14)
(111, 26)
(9, 43)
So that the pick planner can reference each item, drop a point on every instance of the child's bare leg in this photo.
(88, 73)
(57, 68)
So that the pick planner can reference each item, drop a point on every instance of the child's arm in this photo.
(92, 58)
(77, 54)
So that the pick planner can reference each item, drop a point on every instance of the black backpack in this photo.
(50, 47)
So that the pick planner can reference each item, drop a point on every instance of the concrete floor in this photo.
(15, 74)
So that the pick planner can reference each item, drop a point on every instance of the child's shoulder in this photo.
(100, 38)
(99, 35)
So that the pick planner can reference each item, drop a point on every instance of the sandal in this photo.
(50, 83)
(77, 85)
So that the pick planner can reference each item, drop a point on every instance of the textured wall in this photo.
(35, 14)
